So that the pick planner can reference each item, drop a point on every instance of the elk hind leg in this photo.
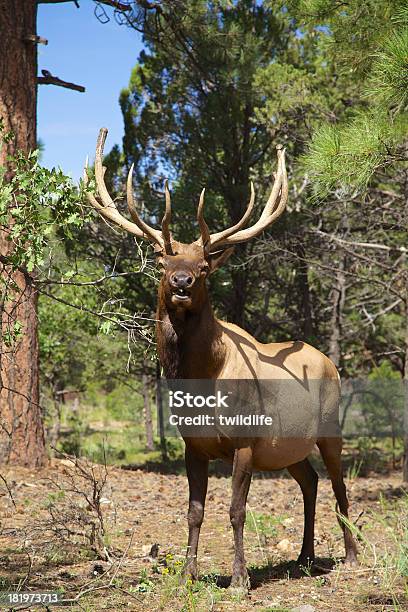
(330, 449)
(241, 480)
(307, 478)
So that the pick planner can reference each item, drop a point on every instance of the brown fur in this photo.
(194, 344)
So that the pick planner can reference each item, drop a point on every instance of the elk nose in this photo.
(181, 280)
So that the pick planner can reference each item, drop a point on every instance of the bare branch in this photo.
(365, 245)
(49, 79)
(38, 40)
(57, 2)
(119, 6)
(129, 323)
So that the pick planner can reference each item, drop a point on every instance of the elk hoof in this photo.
(240, 585)
(351, 559)
(188, 574)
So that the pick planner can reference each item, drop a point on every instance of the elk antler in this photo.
(234, 235)
(107, 207)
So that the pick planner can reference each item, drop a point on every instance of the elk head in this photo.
(185, 267)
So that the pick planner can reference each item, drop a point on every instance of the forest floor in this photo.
(48, 527)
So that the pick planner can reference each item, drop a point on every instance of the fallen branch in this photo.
(110, 584)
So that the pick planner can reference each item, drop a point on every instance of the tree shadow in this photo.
(217, 468)
(176, 467)
(270, 572)
(171, 466)
(389, 493)
(221, 469)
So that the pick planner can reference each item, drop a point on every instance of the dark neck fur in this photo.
(189, 343)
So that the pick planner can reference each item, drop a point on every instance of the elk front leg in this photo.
(241, 479)
(197, 474)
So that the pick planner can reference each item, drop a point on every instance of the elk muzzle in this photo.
(181, 283)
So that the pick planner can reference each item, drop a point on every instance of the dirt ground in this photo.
(142, 509)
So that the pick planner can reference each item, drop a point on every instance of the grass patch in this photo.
(263, 524)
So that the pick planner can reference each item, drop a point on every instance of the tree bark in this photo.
(147, 413)
(21, 426)
(405, 382)
(405, 375)
(160, 415)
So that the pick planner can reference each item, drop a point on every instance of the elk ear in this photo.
(216, 260)
(158, 251)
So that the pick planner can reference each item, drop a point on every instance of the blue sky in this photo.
(84, 51)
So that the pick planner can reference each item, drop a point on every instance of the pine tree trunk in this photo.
(21, 426)
(160, 415)
(405, 458)
(147, 413)
(405, 381)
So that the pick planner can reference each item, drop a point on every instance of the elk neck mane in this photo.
(189, 343)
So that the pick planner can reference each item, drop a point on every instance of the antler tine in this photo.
(99, 170)
(220, 236)
(165, 224)
(273, 209)
(147, 231)
(107, 208)
(280, 179)
(205, 232)
(90, 196)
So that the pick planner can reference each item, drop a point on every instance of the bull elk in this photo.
(193, 344)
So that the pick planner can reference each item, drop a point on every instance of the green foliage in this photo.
(145, 584)
(389, 74)
(263, 524)
(286, 90)
(199, 595)
(383, 409)
(368, 43)
(346, 157)
(33, 201)
(354, 30)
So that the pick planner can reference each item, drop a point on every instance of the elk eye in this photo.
(204, 268)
